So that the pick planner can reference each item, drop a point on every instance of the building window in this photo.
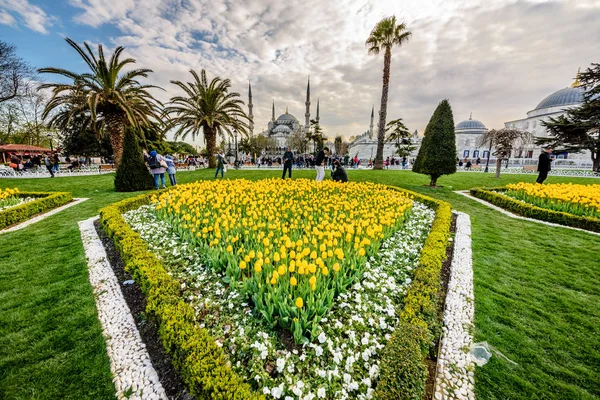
(486, 154)
(475, 153)
(527, 125)
(466, 153)
(530, 154)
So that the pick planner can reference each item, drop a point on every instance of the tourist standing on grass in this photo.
(544, 165)
(288, 161)
(171, 170)
(220, 165)
(157, 165)
(320, 163)
(339, 173)
(49, 165)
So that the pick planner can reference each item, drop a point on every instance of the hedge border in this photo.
(495, 197)
(46, 201)
(203, 365)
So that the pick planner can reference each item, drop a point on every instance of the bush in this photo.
(437, 155)
(494, 196)
(132, 173)
(403, 370)
(45, 202)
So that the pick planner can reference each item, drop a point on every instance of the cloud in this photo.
(32, 16)
(497, 59)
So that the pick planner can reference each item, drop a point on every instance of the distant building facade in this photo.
(469, 134)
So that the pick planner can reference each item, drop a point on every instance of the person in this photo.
(478, 161)
(468, 165)
(320, 163)
(55, 161)
(220, 164)
(544, 165)
(339, 173)
(171, 170)
(49, 165)
(288, 161)
(157, 165)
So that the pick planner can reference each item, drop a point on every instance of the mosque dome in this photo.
(282, 128)
(286, 117)
(470, 126)
(564, 97)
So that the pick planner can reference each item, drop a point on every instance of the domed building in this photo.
(468, 137)
(551, 106)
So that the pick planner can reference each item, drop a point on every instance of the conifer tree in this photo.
(437, 155)
(132, 173)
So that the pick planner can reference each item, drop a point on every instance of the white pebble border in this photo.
(42, 216)
(133, 373)
(455, 367)
(508, 213)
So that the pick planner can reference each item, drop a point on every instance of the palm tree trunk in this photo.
(387, 60)
(115, 126)
(211, 145)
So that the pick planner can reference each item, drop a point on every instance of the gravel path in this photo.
(134, 376)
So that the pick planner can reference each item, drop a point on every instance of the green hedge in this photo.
(494, 196)
(44, 202)
(204, 366)
(421, 319)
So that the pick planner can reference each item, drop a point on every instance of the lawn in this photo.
(536, 294)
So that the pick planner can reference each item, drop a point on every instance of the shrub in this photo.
(403, 371)
(132, 173)
(45, 202)
(437, 155)
(494, 196)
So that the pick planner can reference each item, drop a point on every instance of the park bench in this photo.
(529, 168)
(106, 167)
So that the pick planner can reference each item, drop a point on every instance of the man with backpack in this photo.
(49, 165)
(157, 165)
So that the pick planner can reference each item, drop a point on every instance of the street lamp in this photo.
(487, 163)
(50, 137)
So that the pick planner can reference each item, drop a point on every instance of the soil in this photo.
(445, 279)
(169, 378)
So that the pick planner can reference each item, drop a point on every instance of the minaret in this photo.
(307, 114)
(273, 112)
(250, 115)
(371, 125)
(317, 110)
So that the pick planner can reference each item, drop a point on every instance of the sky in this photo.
(496, 58)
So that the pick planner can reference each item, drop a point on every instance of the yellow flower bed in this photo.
(8, 192)
(576, 199)
(291, 246)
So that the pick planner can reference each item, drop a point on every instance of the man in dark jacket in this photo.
(544, 165)
(288, 161)
(339, 173)
(320, 163)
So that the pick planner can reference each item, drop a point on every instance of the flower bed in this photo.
(524, 202)
(217, 335)
(18, 206)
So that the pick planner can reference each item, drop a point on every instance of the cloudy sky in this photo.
(494, 58)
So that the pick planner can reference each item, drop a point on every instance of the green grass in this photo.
(537, 290)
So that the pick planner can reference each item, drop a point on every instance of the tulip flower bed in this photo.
(289, 247)
(10, 198)
(343, 360)
(583, 200)
(16, 206)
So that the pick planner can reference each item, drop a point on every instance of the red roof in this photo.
(22, 148)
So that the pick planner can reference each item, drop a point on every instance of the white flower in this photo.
(322, 338)
(321, 373)
(347, 378)
(281, 364)
(277, 391)
(266, 390)
(318, 351)
(321, 393)
(300, 384)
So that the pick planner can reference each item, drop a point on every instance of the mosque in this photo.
(468, 135)
(552, 106)
(282, 127)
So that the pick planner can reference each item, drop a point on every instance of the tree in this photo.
(579, 128)
(504, 141)
(182, 148)
(337, 144)
(385, 35)
(113, 98)
(437, 155)
(298, 141)
(253, 145)
(206, 107)
(316, 135)
(401, 136)
(78, 139)
(14, 73)
(132, 173)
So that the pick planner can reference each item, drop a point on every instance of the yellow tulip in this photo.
(299, 302)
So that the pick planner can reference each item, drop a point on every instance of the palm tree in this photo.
(385, 35)
(113, 99)
(504, 141)
(207, 107)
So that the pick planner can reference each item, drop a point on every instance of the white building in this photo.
(468, 138)
(364, 146)
(553, 106)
